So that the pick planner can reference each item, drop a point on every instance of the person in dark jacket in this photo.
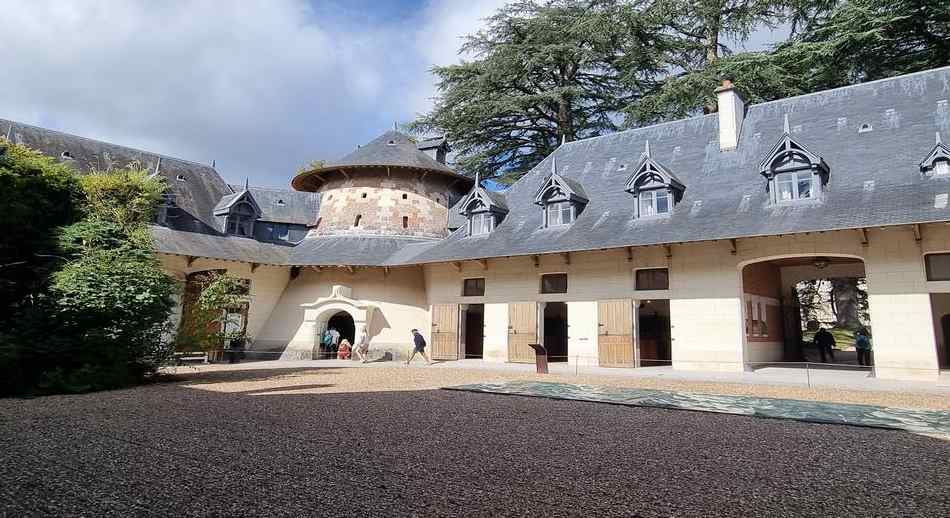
(825, 343)
(418, 346)
(862, 344)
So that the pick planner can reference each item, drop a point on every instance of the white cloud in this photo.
(258, 85)
(445, 23)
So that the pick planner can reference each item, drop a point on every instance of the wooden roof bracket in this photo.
(294, 272)
(864, 236)
(349, 269)
(484, 263)
(917, 234)
(457, 265)
(629, 254)
(537, 260)
(254, 267)
(733, 247)
(385, 271)
(567, 257)
(190, 259)
(669, 251)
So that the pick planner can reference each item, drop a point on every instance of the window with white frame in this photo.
(481, 223)
(655, 202)
(558, 213)
(796, 185)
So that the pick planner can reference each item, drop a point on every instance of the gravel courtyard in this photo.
(297, 442)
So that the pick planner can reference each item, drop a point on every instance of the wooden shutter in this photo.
(615, 333)
(522, 330)
(445, 331)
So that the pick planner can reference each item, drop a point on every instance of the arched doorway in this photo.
(787, 299)
(343, 323)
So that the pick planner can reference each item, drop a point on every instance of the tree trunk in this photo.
(845, 301)
(713, 21)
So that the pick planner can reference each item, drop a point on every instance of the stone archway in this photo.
(317, 315)
(774, 319)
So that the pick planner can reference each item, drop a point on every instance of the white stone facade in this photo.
(705, 297)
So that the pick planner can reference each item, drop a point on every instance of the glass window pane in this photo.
(938, 267)
(662, 202)
(653, 279)
(646, 203)
(473, 287)
(554, 283)
(804, 185)
(786, 187)
(566, 216)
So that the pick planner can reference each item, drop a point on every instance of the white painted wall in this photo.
(582, 332)
(495, 348)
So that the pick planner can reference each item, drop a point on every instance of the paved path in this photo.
(178, 450)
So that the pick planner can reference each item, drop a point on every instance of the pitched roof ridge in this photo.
(846, 87)
(751, 105)
(88, 139)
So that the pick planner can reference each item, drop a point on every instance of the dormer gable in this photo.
(793, 172)
(937, 162)
(788, 155)
(240, 211)
(558, 188)
(654, 187)
(483, 209)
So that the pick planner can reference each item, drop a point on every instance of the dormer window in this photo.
(797, 185)
(483, 209)
(561, 199)
(937, 162)
(655, 189)
(241, 219)
(558, 213)
(793, 172)
(481, 223)
(240, 211)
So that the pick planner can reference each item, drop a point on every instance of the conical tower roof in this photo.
(391, 149)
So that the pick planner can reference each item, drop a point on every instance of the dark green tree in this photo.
(543, 72)
(836, 43)
(39, 195)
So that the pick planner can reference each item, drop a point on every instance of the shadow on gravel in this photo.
(197, 377)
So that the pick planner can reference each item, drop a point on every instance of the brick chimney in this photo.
(731, 114)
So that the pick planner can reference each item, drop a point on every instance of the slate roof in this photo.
(393, 149)
(431, 142)
(285, 205)
(196, 194)
(875, 179)
(872, 137)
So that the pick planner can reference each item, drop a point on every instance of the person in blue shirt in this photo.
(862, 344)
(419, 346)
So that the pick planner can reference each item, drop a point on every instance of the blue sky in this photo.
(258, 86)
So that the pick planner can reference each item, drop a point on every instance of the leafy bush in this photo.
(101, 320)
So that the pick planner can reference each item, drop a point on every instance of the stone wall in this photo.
(395, 202)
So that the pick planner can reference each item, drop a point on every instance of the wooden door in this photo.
(522, 330)
(445, 332)
(615, 333)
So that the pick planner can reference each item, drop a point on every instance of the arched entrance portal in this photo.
(787, 300)
(343, 322)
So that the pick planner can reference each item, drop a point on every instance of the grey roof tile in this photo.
(889, 155)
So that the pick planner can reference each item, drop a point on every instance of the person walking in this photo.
(334, 341)
(362, 347)
(419, 346)
(862, 344)
(825, 343)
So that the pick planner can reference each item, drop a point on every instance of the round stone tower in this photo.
(386, 187)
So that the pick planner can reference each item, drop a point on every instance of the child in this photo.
(343, 351)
